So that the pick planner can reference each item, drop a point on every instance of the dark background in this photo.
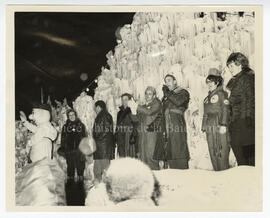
(52, 50)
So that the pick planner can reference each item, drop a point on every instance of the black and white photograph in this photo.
(135, 109)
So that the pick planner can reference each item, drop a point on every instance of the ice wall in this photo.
(182, 44)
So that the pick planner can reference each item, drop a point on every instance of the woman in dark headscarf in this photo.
(72, 133)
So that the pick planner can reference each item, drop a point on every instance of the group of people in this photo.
(156, 132)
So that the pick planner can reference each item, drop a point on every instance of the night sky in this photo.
(52, 50)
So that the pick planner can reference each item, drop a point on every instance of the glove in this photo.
(23, 116)
(150, 128)
(222, 129)
(133, 106)
(165, 90)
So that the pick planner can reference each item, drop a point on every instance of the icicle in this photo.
(183, 44)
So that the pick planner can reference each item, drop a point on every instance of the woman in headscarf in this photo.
(72, 133)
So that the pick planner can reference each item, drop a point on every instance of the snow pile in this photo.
(236, 189)
(230, 190)
(183, 44)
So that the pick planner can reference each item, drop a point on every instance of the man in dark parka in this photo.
(124, 134)
(242, 102)
(104, 138)
(175, 103)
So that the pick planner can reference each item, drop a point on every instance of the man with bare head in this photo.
(147, 139)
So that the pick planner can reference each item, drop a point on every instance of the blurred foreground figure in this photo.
(41, 184)
(128, 182)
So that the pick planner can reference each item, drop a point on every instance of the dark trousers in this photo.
(75, 160)
(245, 155)
(100, 165)
(178, 164)
(243, 141)
(219, 150)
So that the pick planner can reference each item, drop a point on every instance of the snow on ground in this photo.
(236, 189)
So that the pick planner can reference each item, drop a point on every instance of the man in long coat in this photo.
(175, 103)
(125, 133)
(104, 138)
(147, 140)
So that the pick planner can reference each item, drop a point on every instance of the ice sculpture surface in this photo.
(183, 44)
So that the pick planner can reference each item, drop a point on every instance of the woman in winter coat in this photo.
(242, 102)
(72, 133)
(216, 120)
(104, 138)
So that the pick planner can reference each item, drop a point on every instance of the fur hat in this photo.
(129, 178)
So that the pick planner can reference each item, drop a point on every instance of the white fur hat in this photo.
(129, 178)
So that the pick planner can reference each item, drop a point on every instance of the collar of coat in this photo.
(211, 93)
(122, 108)
(122, 114)
(177, 89)
(102, 113)
(75, 122)
(238, 76)
(155, 101)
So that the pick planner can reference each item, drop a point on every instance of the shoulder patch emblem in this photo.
(214, 99)
(226, 102)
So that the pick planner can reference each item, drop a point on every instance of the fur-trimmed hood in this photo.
(129, 179)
